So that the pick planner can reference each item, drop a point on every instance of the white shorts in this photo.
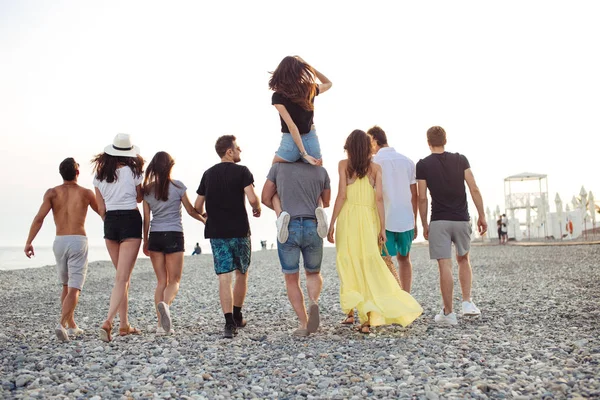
(71, 252)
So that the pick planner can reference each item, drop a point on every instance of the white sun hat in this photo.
(122, 147)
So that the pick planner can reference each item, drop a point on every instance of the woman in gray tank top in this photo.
(163, 235)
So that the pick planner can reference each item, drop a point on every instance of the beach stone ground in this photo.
(537, 336)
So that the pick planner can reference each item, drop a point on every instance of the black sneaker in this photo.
(229, 331)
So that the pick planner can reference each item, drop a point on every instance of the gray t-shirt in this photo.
(299, 186)
(166, 215)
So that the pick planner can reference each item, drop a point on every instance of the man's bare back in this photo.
(69, 203)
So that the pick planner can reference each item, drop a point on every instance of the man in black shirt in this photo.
(444, 174)
(224, 188)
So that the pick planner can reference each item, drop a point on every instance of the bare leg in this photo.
(174, 264)
(68, 308)
(277, 159)
(405, 267)
(128, 251)
(225, 292)
(240, 288)
(63, 294)
(465, 275)
(314, 284)
(446, 283)
(158, 263)
(296, 297)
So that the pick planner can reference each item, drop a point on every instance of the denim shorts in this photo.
(231, 254)
(303, 239)
(290, 152)
(398, 242)
(166, 242)
(122, 224)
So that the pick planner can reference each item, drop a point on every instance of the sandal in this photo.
(348, 321)
(129, 330)
(106, 333)
(364, 328)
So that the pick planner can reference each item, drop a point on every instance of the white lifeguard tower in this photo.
(524, 193)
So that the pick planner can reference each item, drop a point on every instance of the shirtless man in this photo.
(69, 204)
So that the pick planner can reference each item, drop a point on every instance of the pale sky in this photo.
(515, 85)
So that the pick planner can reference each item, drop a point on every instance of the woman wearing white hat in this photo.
(118, 183)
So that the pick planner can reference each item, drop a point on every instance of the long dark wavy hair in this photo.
(296, 81)
(105, 166)
(158, 175)
(358, 147)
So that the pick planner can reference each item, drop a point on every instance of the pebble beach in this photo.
(537, 337)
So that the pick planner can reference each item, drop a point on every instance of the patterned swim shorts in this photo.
(231, 254)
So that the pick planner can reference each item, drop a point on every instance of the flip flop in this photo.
(362, 327)
(105, 333)
(129, 330)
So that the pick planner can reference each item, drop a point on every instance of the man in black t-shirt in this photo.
(444, 174)
(224, 188)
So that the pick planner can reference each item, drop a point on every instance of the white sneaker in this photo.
(322, 226)
(446, 319)
(61, 333)
(75, 331)
(161, 332)
(282, 227)
(165, 316)
(469, 308)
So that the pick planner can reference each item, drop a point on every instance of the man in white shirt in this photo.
(400, 201)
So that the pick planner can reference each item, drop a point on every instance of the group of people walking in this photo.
(375, 211)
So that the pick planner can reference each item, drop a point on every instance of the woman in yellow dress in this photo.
(366, 282)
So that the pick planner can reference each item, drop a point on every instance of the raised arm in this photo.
(325, 82)
(253, 200)
(187, 204)
(422, 193)
(477, 199)
(268, 191)
(38, 221)
(339, 200)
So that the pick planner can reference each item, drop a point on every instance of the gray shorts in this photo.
(71, 252)
(443, 233)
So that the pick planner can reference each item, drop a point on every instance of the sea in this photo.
(13, 257)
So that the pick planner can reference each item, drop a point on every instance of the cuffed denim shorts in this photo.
(122, 224)
(303, 239)
(290, 152)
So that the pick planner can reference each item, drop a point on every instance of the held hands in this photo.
(145, 248)
(426, 231)
(29, 250)
(256, 212)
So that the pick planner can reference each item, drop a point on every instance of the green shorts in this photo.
(398, 242)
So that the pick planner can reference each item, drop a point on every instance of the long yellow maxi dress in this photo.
(366, 282)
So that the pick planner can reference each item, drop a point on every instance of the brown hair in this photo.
(158, 176)
(378, 135)
(223, 144)
(296, 81)
(358, 147)
(436, 136)
(105, 166)
(68, 169)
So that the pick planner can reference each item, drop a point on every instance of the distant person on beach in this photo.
(197, 249)
(399, 200)
(499, 223)
(224, 188)
(295, 88)
(366, 283)
(164, 244)
(504, 229)
(444, 174)
(118, 175)
(69, 203)
(300, 187)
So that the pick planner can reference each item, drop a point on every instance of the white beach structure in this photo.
(522, 192)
